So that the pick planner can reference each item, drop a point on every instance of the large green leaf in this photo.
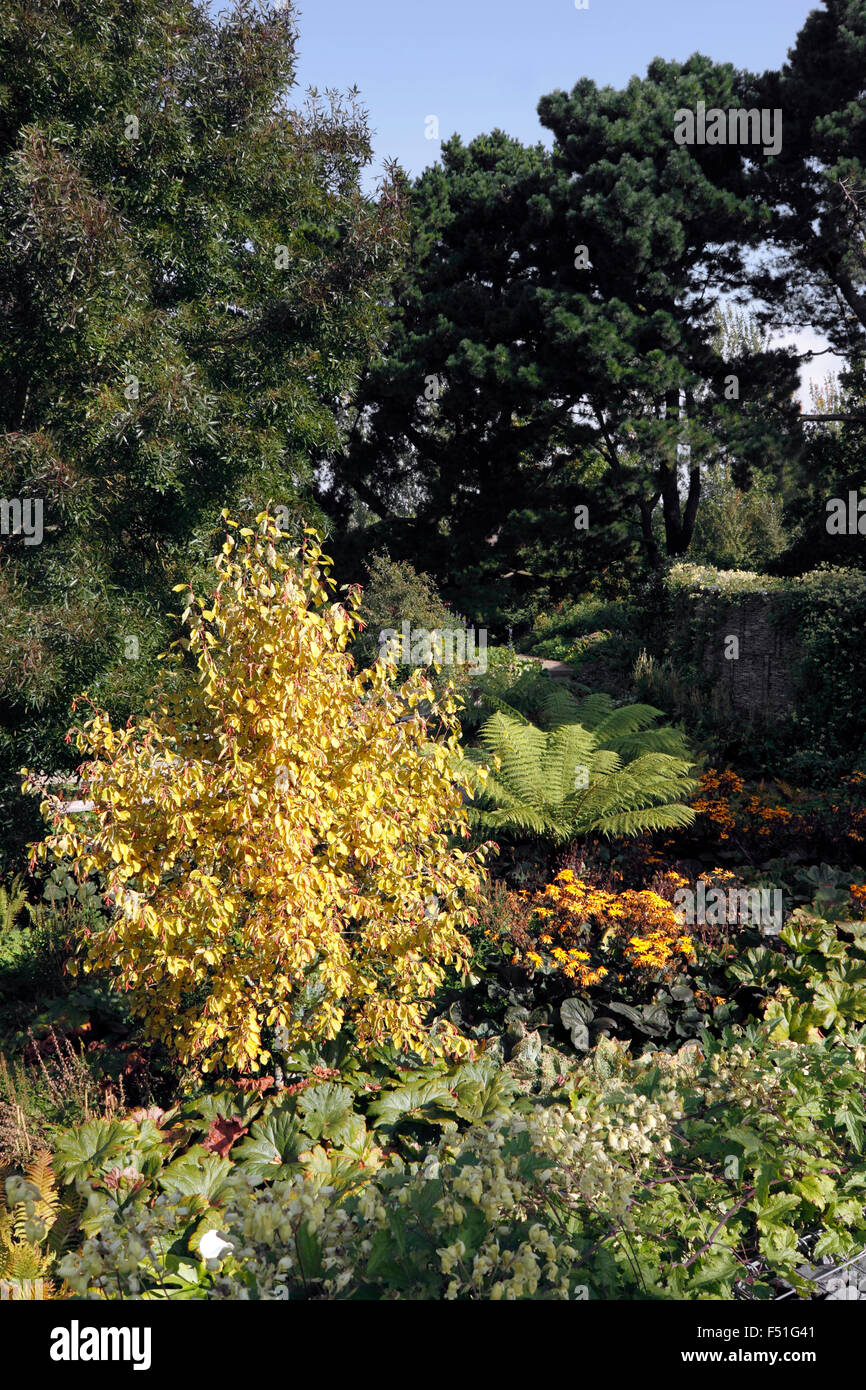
(484, 1091)
(576, 1015)
(424, 1099)
(327, 1112)
(196, 1173)
(227, 1104)
(93, 1148)
(271, 1150)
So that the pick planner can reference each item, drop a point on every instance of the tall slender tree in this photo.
(190, 281)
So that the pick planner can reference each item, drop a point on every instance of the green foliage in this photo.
(563, 380)
(692, 1179)
(12, 901)
(737, 529)
(395, 593)
(817, 986)
(828, 609)
(504, 678)
(36, 992)
(555, 630)
(815, 181)
(193, 280)
(596, 769)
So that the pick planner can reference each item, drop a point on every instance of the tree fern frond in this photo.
(665, 740)
(625, 719)
(535, 789)
(560, 705)
(674, 816)
(501, 706)
(519, 747)
(524, 820)
(592, 709)
(566, 749)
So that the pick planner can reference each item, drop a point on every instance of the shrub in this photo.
(630, 929)
(734, 529)
(579, 962)
(397, 594)
(815, 984)
(761, 822)
(274, 835)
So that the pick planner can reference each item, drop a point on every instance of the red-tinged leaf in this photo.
(254, 1083)
(116, 1178)
(222, 1134)
(152, 1112)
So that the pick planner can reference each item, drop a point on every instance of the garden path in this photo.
(557, 669)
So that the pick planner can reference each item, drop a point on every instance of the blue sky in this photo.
(478, 64)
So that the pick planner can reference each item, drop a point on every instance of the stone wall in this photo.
(759, 682)
(799, 663)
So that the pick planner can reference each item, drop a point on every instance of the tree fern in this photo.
(627, 729)
(608, 771)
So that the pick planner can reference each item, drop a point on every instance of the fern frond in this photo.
(534, 788)
(519, 747)
(672, 817)
(566, 749)
(666, 740)
(523, 820)
(627, 719)
(560, 706)
(27, 1262)
(500, 706)
(592, 709)
(66, 1224)
(40, 1173)
(12, 900)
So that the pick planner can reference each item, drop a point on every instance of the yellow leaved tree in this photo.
(279, 836)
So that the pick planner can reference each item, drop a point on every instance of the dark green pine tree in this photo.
(816, 186)
(666, 229)
(190, 282)
(560, 311)
(449, 425)
(816, 276)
